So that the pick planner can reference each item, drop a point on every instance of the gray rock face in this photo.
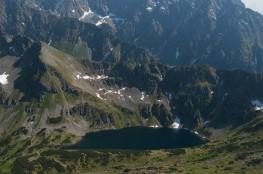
(220, 33)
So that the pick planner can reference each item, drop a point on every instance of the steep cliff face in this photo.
(133, 67)
(221, 33)
(204, 97)
(215, 32)
(44, 88)
(83, 40)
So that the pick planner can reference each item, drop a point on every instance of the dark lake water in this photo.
(140, 138)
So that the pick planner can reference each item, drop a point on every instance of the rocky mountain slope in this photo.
(50, 89)
(61, 76)
(196, 95)
(214, 32)
(51, 98)
(220, 33)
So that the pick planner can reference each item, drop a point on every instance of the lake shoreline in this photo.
(140, 138)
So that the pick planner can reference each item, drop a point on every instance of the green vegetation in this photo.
(239, 152)
(79, 50)
(36, 127)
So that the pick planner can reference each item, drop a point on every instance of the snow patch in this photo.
(118, 92)
(91, 78)
(163, 8)
(50, 42)
(177, 123)
(3, 78)
(123, 89)
(258, 105)
(98, 96)
(102, 20)
(86, 14)
(149, 9)
(142, 96)
(155, 126)
(212, 14)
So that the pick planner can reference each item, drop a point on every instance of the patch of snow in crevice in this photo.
(142, 96)
(177, 123)
(86, 14)
(155, 126)
(50, 42)
(195, 132)
(109, 92)
(3, 78)
(161, 78)
(153, 4)
(212, 14)
(162, 8)
(149, 9)
(98, 96)
(123, 89)
(159, 101)
(257, 104)
(102, 20)
(117, 92)
(94, 77)
(97, 19)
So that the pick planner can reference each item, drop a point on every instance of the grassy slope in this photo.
(241, 151)
(16, 149)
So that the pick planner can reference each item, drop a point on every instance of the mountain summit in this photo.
(221, 33)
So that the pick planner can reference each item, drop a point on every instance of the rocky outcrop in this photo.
(159, 111)
(214, 32)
